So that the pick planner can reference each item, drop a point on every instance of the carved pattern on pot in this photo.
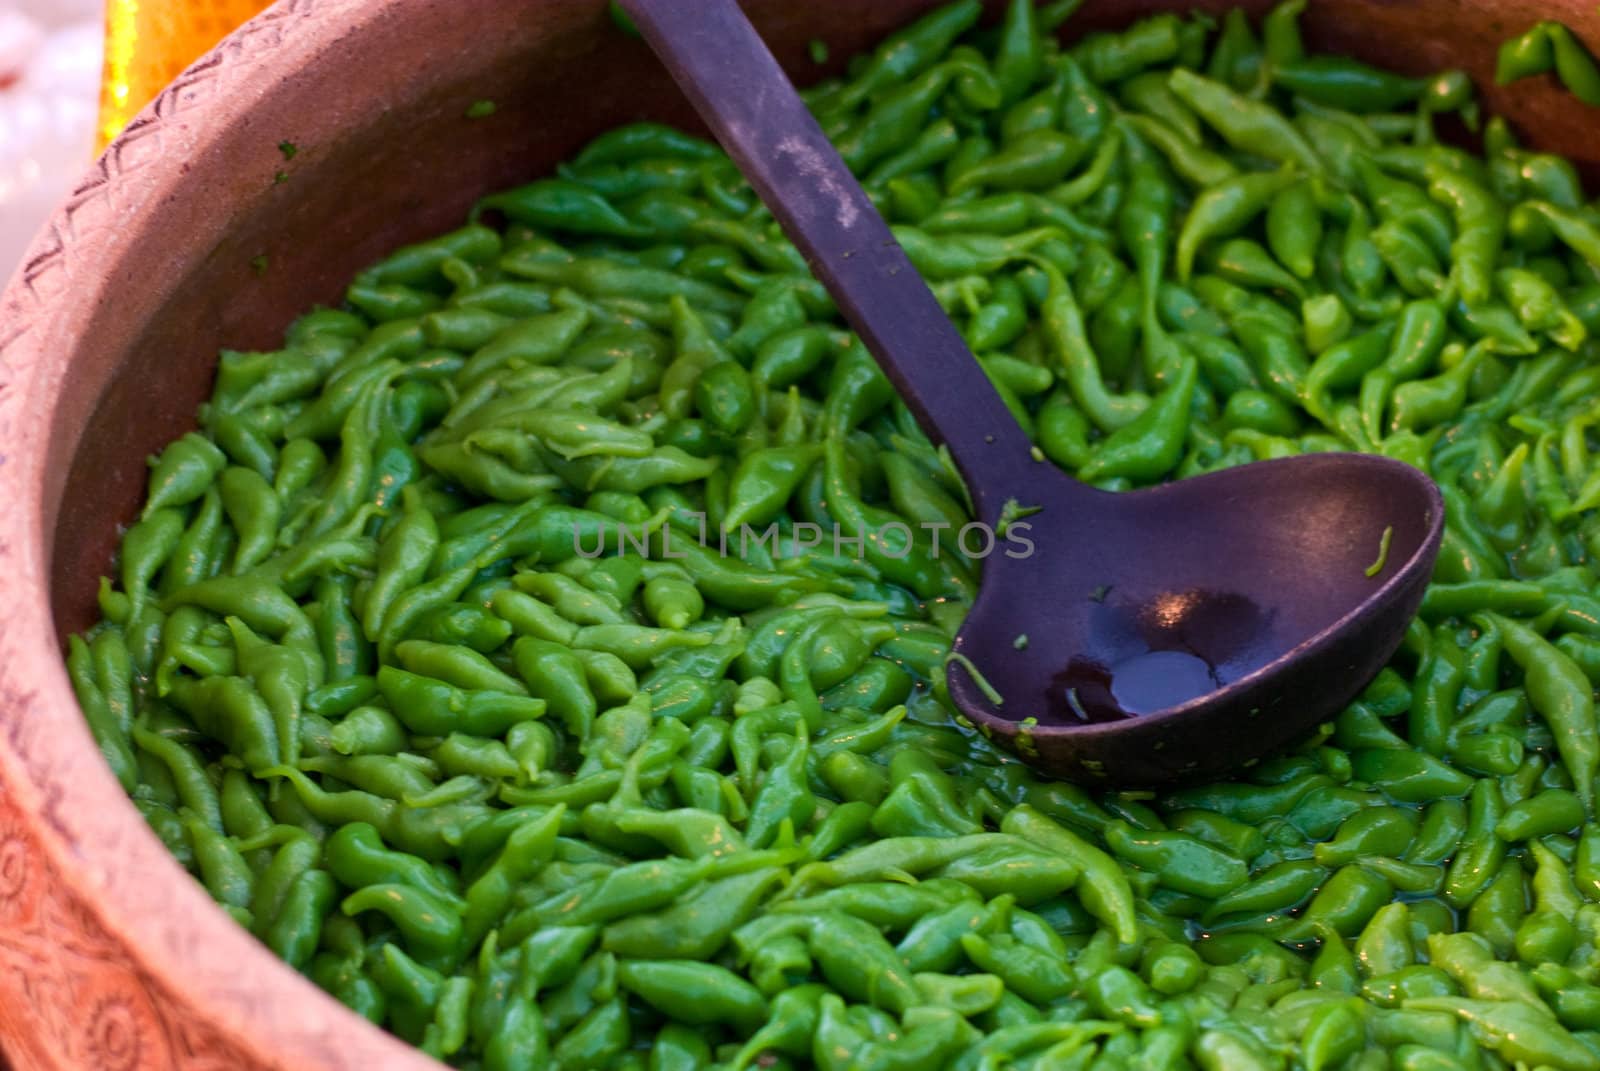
(87, 1005)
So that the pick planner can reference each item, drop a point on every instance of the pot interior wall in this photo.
(386, 155)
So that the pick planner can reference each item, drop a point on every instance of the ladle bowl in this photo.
(1286, 595)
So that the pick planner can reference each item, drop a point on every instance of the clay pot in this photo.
(178, 242)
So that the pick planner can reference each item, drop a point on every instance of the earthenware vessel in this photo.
(183, 239)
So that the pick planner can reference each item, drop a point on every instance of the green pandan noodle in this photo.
(435, 658)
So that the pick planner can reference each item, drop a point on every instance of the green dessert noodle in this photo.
(544, 651)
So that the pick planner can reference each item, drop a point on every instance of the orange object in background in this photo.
(148, 42)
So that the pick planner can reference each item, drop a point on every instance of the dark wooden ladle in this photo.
(1168, 633)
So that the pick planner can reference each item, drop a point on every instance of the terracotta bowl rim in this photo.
(90, 839)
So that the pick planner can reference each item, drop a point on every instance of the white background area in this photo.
(50, 60)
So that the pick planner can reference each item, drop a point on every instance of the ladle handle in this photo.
(731, 78)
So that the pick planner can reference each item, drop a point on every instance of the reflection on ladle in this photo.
(1158, 654)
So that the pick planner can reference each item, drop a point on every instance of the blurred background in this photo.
(51, 57)
(72, 73)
